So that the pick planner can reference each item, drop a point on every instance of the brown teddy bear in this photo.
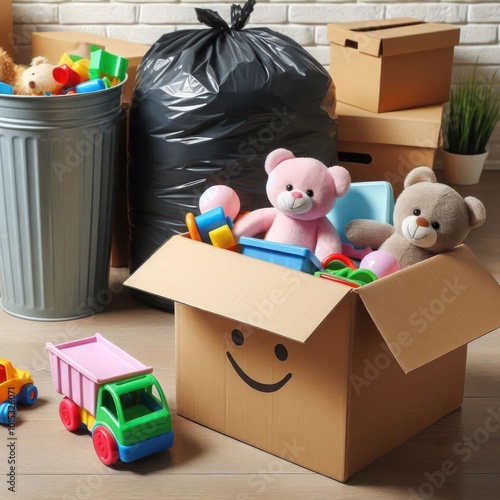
(429, 218)
(10, 73)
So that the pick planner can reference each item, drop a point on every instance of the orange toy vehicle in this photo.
(16, 386)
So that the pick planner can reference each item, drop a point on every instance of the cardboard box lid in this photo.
(418, 127)
(283, 301)
(390, 37)
(422, 312)
(436, 306)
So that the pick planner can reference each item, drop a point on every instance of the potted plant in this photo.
(473, 112)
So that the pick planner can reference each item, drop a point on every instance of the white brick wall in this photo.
(144, 21)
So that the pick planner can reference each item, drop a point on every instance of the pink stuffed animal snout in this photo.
(296, 194)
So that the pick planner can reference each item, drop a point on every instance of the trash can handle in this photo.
(239, 17)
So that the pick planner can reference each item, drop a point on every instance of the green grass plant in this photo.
(473, 113)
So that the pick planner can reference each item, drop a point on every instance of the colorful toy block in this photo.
(103, 63)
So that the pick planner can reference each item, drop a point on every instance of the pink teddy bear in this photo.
(302, 192)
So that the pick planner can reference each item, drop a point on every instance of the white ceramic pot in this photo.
(463, 169)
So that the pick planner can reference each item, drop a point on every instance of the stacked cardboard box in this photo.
(52, 44)
(386, 146)
(392, 78)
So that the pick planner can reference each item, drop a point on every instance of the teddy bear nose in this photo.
(422, 221)
(32, 84)
(296, 194)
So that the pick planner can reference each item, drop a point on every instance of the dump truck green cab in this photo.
(133, 409)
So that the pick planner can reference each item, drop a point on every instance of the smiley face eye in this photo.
(281, 352)
(417, 212)
(237, 337)
(289, 187)
(435, 225)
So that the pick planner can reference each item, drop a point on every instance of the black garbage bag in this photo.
(208, 106)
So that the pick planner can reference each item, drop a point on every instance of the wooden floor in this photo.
(52, 463)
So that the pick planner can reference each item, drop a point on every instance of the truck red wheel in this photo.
(70, 414)
(105, 445)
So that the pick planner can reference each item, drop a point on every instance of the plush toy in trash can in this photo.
(10, 74)
(38, 78)
(302, 191)
(429, 218)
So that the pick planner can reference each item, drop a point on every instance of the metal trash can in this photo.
(57, 171)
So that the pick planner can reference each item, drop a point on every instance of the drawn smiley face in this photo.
(281, 353)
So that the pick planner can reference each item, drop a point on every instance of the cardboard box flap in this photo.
(364, 36)
(390, 37)
(283, 301)
(419, 38)
(429, 309)
(419, 127)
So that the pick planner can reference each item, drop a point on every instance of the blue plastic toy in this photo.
(219, 206)
(212, 227)
(90, 86)
(364, 200)
(5, 88)
(295, 257)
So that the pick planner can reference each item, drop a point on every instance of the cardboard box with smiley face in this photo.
(316, 372)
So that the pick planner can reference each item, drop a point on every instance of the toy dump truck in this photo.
(113, 395)
(16, 386)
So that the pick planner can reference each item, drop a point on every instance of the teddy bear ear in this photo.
(420, 174)
(39, 60)
(342, 179)
(477, 211)
(274, 158)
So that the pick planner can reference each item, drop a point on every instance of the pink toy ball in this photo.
(220, 196)
(381, 263)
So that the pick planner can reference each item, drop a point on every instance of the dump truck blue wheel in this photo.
(6, 415)
(105, 445)
(70, 414)
(28, 395)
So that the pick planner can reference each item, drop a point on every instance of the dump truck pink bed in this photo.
(79, 367)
